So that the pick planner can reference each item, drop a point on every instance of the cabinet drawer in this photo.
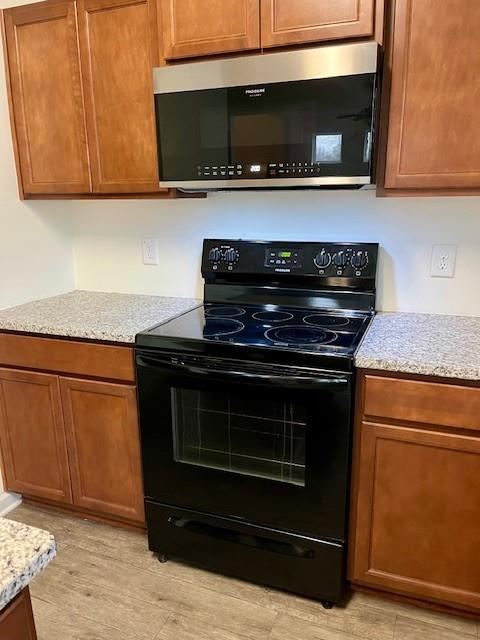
(67, 356)
(439, 404)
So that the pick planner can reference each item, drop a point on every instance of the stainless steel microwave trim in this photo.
(267, 182)
(289, 66)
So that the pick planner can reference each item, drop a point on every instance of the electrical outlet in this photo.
(443, 260)
(150, 251)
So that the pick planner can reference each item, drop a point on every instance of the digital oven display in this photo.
(283, 258)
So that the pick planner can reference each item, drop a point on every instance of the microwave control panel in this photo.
(316, 259)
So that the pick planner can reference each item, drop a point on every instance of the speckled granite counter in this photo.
(24, 552)
(424, 344)
(112, 317)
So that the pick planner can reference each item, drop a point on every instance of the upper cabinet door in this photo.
(287, 22)
(433, 136)
(117, 44)
(46, 98)
(204, 27)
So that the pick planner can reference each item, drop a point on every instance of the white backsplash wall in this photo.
(35, 237)
(107, 240)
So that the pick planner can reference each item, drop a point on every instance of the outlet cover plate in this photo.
(150, 251)
(443, 260)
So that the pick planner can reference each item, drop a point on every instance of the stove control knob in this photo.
(340, 259)
(323, 259)
(215, 255)
(230, 256)
(359, 260)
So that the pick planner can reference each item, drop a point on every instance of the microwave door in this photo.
(287, 134)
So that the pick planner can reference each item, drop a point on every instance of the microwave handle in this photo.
(296, 381)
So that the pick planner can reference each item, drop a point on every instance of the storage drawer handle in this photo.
(258, 542)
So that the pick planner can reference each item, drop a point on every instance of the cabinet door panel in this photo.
(285, 22)
(32, 435)
(104, 449)
(433, 136)
(117, 47)
(46, 97)
(200, 28)
(418, 513)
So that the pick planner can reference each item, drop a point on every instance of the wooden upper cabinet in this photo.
(286, 22)
(32, 436)
(433, 133)
(117, 47)
(199, 28)
(104, 447)
(46, 98)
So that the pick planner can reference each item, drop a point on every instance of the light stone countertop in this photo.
(24, 552)
(109, 317)
(423, 344)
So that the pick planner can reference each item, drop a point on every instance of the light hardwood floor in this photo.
(106, 585)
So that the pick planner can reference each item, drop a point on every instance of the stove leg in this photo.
(161, 558)
(326, 604)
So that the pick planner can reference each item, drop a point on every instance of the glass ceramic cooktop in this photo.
(281, 327)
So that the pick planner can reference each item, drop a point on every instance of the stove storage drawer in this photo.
(443, 405)
(304, 565)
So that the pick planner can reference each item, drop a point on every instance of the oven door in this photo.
(259, 443)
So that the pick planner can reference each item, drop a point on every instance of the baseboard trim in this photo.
(8, 502)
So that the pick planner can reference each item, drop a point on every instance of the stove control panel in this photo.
(335, 261)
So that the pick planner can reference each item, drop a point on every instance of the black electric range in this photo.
(246, 413)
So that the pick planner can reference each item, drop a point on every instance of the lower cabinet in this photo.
(416, 495)
(72, 441)
(32, 436)
(16, 620)
(103, 446)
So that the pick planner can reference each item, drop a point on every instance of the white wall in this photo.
(107, 254)
(35, 237)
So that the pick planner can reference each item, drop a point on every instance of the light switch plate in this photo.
(150, 251)
(443, 260)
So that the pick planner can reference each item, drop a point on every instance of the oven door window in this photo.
(263, 435)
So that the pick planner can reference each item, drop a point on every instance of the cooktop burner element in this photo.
(224, 312)
(299, 335)
(216, 327)
(272, 316)
(321, 320)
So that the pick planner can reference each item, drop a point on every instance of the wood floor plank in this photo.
(292, 628)
(466, 626)
(182, 628)
(374, 624)
(222, 611)
(411, 629)
(137, 619)
(55, 624)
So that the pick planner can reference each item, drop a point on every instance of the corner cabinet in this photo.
(81, 96)
(433, 139)
(415, 523)
(71, 441)
(285, 22)
(193, 28)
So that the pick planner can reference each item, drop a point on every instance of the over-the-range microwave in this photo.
(291, 119)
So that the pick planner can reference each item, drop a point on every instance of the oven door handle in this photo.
(296, 381)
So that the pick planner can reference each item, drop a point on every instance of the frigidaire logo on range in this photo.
(254, 93)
